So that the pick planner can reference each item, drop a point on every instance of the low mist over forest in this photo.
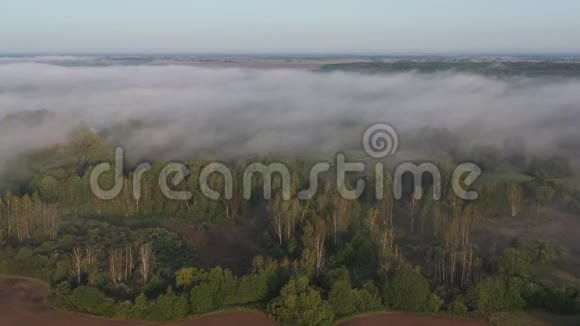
(144, 255)
(175, 112)
(290, 163)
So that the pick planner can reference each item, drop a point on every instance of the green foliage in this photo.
(180, 307)
(254, 287)
(433, 303)
(346, 301)
(520, 260)
(34, 244)
(559, 299)
(514, 262)
(457, 308)
(202, 298)
(88, 299)
(184, 277)
(218, 288)
(140, 309)
(342, 298)
(168, 306)
(368, 298)
(300, 304)
(61, 295)
(123, 310)
(406, 290)
(497, 294)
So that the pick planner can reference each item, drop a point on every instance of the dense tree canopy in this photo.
(323, 258)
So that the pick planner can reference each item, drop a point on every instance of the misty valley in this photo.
(509, 256)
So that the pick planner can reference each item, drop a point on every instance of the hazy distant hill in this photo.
(500, 69)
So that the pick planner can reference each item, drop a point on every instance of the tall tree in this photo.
(115, 265)
(515, 197)
(278, 217)
(145, 261)
(313, 240)
(340, 217)
(77, 264)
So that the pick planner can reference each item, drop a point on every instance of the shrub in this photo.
(407, 290)
(300, 304)
(456, 307)
(343, 298)
(433, 303)
(88, 299)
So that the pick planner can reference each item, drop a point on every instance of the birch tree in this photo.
(77, 263)
(145, 262)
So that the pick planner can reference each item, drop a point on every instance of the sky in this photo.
(297, 26)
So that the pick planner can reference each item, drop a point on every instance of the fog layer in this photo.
(182, 111)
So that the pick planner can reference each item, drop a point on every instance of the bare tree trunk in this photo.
(340, 216)
(145, 260)
(77, 262)
(130, 261)
(320, 253)
(115, 259)
(412, 208)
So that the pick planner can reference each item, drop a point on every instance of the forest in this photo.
(320, 260)
(535, 68)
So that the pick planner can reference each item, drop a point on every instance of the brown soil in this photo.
(22, 303)
(228, 319)
(404, 319)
